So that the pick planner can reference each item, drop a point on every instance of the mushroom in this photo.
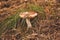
(28, 16)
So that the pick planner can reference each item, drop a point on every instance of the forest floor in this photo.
(48, 29)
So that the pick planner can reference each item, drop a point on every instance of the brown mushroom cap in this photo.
(29, 14)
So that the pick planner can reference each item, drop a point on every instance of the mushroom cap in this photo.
(25, 0)
(30, 14)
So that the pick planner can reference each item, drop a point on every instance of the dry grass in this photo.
(46, 26)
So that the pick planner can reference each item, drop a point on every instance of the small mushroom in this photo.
(28, 16)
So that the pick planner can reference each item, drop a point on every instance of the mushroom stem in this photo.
(28, 23)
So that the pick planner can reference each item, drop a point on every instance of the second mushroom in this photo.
(28, 16)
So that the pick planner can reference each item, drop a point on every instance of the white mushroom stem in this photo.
(28, 23)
